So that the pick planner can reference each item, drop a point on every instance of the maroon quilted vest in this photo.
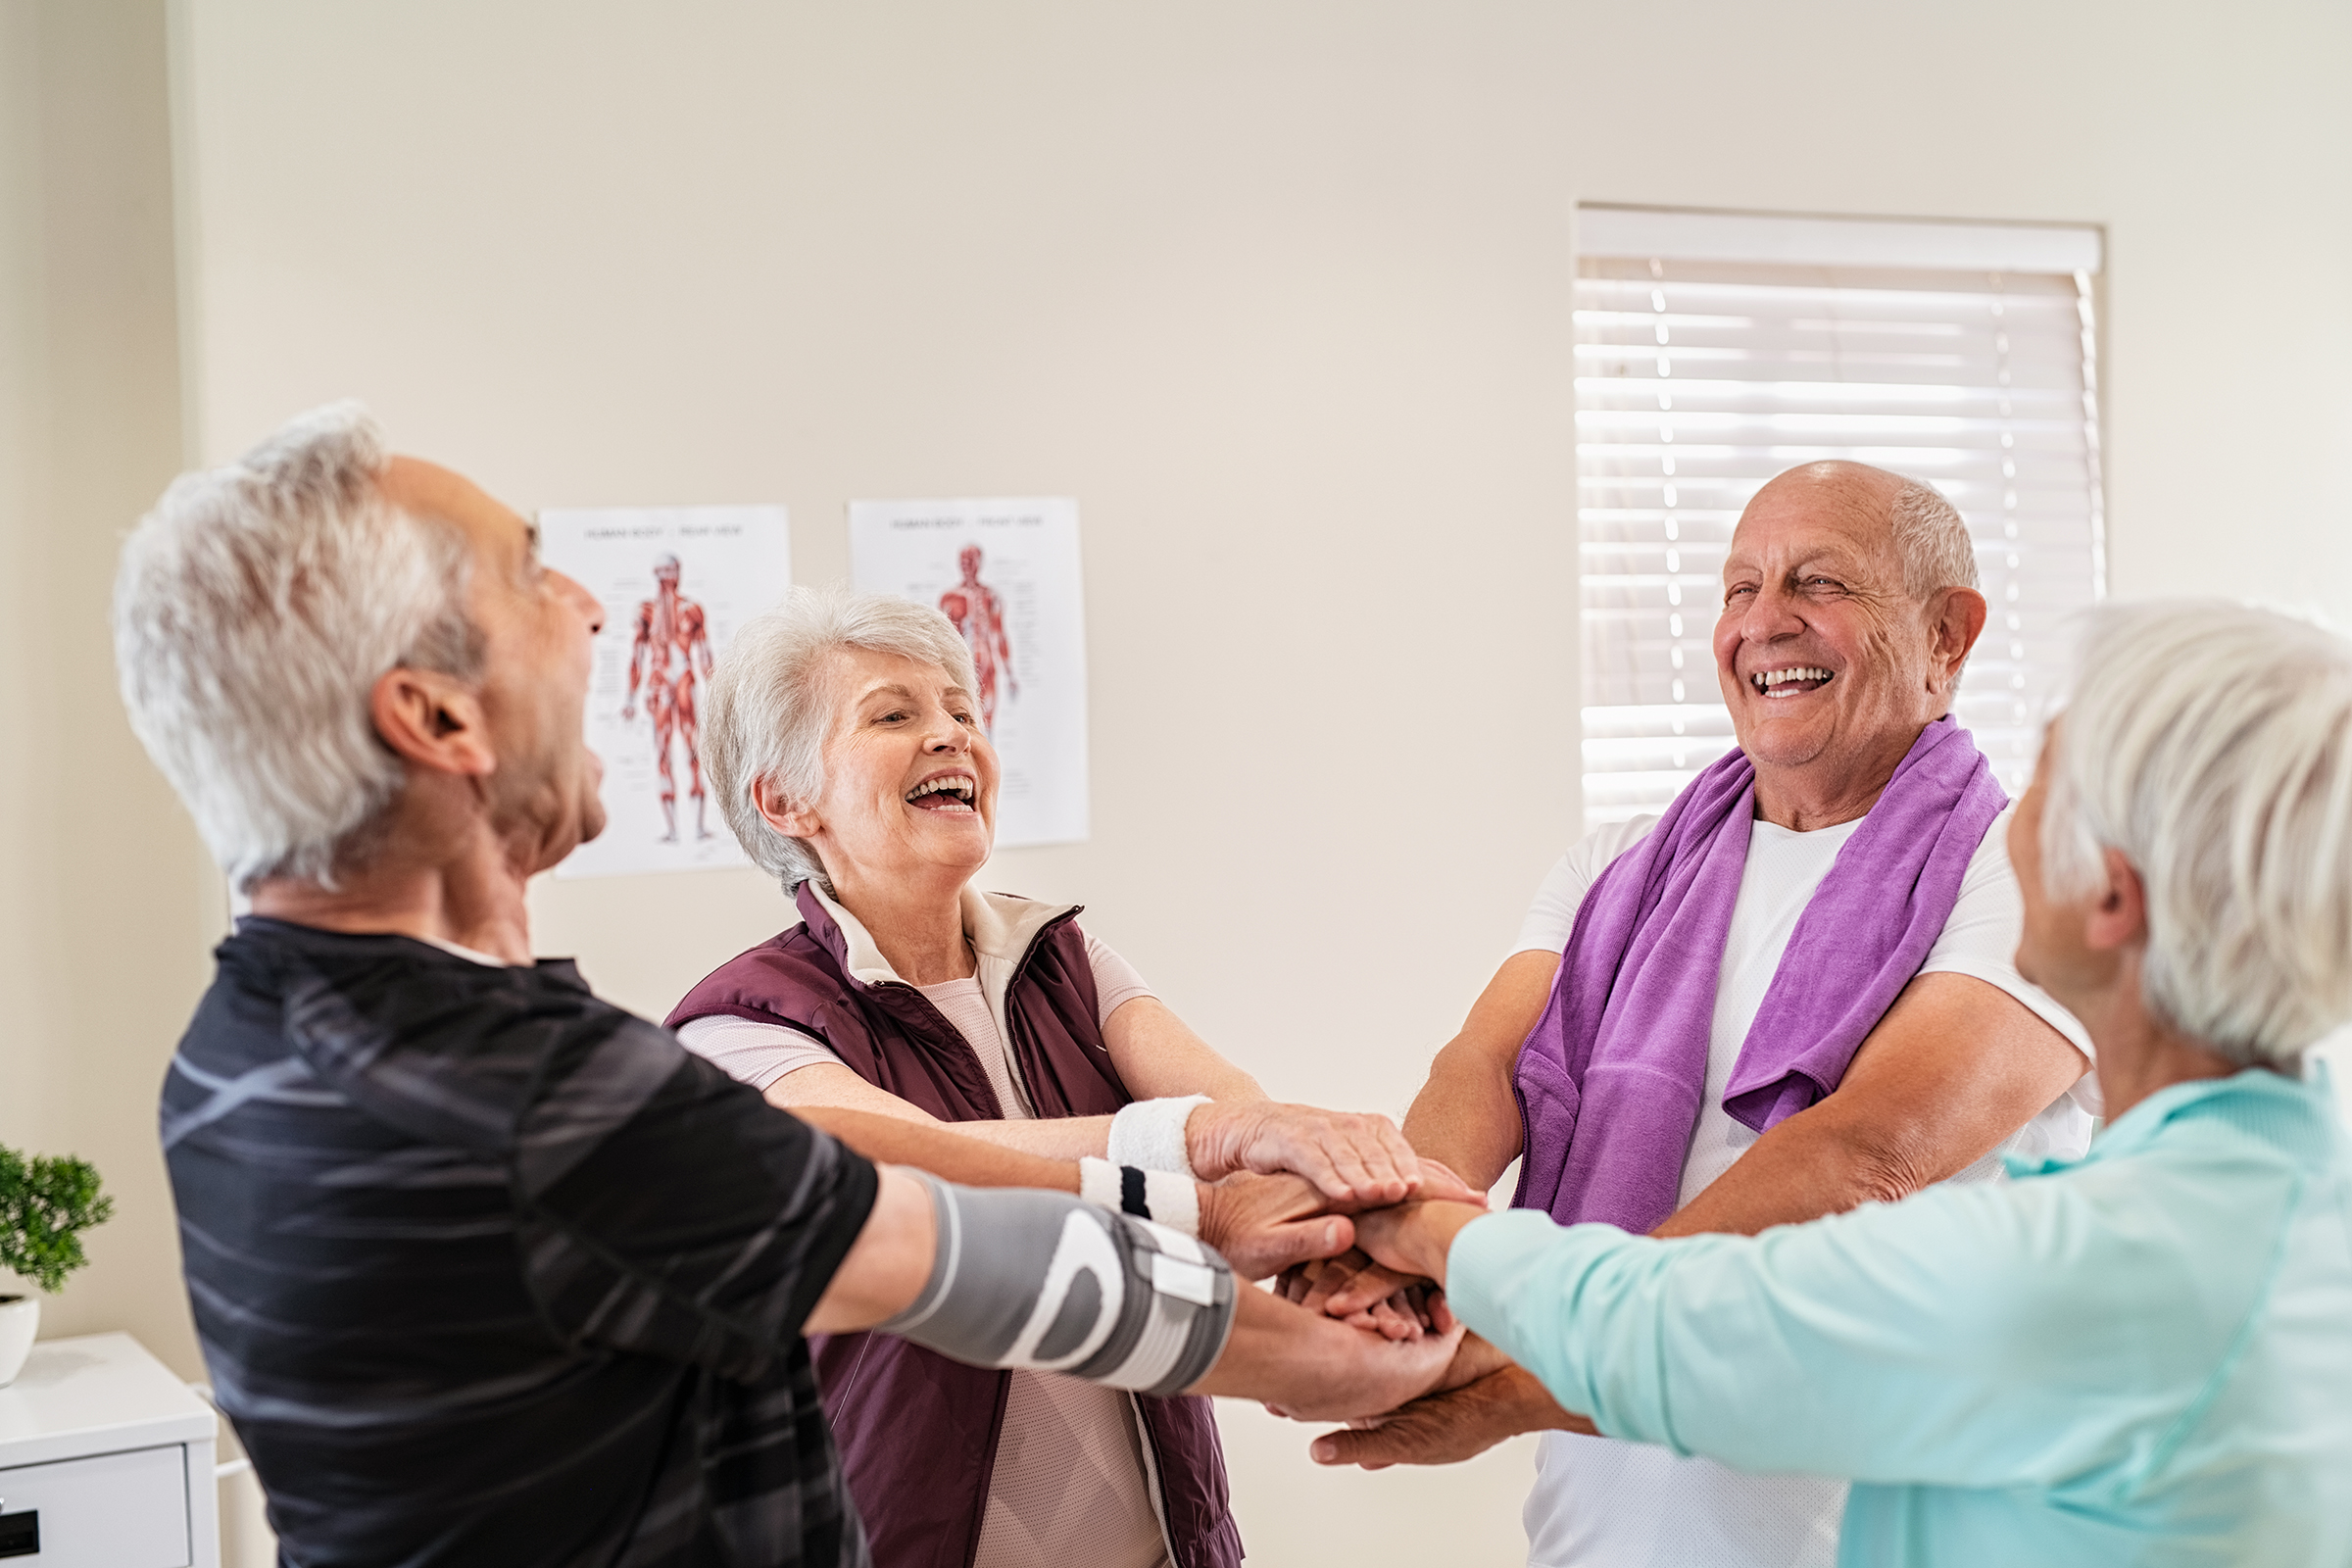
(918, 1431)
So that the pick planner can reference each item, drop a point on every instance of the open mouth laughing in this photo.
(1793, 681)
(953, 793)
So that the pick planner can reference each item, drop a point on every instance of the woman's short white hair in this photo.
(255, 608)
(771, 704)
(2211, 744)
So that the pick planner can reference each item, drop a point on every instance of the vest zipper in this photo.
(1159, 1501)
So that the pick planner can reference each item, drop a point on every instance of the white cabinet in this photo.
(106, 1461)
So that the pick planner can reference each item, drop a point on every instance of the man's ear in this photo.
(780, 814)
(432, 721)
(2118, 918)
(1956, 618)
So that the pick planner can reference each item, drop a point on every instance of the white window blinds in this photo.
(1715, 349)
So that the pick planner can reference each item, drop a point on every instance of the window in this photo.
(1714, 350)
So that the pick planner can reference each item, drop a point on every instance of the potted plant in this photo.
(45, 1204)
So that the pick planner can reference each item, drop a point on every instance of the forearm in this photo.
(943, 1152)
(1870, 1345)
(1812, 1164)
(1466, 1116)
(1158, 1056)
(1064, 1138)
(1955, 1066)
(991, 1277)
(828, 1086)
(1278, 1353)
(1548, 1296)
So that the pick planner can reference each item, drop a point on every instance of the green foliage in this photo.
(44, 1205)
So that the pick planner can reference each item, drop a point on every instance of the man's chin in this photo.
(556, 849)
(1772, 742)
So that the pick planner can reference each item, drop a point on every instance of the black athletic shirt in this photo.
(489, 1272)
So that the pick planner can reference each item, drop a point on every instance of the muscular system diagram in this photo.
(979, 614)
(672, 645)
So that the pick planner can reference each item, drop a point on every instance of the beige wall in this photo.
(1280, 292)
(103, 922)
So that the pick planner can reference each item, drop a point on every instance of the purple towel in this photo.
(1610, 1079)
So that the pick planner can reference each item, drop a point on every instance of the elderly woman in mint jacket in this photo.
(844, 739)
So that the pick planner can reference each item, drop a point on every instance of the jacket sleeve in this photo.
(1977, 1336)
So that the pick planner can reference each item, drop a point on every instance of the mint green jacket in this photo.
(2140, 1357)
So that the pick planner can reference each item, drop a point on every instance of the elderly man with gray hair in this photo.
(2136, 1359)
(1790, 994)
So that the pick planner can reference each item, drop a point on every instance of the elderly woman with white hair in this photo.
(2143, 1357)
(843, 736)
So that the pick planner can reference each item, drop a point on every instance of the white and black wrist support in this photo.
(1044, 1282)
(1160, 1196)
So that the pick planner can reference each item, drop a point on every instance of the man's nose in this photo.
(1769, 616)
(587, 605)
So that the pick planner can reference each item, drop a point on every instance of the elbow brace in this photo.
(1042, 1282)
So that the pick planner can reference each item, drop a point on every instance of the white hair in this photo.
(770, 705)
(2211, 745)
(255, 608)
(1932, 541)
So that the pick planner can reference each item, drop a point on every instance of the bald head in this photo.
(1928, 540)
(1849, 608)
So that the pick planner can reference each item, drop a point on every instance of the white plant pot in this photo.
(20, 1321)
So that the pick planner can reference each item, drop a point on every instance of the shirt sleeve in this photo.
(1964, 1337)
(752, 1052)
(1981, 940)
(1117, 982)
(670, 1210)
(1551, 919)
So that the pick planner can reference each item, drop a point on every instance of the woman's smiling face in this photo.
(910, 779)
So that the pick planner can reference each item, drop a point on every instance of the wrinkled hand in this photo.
(1351, 1285)
(1451, 1425)
(1265, 1224)
(1372, 1369)
(1413, 1238)
(1351, 1157)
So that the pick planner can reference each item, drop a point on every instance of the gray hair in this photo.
(2211, 744)
(770, 705)
(1932, 541)
(255, 607)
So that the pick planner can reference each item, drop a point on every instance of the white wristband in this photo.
(1168, 1199)
(1151, 1134)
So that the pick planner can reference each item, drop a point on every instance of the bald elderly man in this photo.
(1792, 994)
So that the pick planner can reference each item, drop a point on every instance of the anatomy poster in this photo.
(675, 582)
(1007, 573)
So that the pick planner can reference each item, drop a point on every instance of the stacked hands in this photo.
(1343, 1217)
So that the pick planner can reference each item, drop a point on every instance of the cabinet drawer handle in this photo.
(20, 1532)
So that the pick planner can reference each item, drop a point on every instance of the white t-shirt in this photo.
(1601, 1504)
